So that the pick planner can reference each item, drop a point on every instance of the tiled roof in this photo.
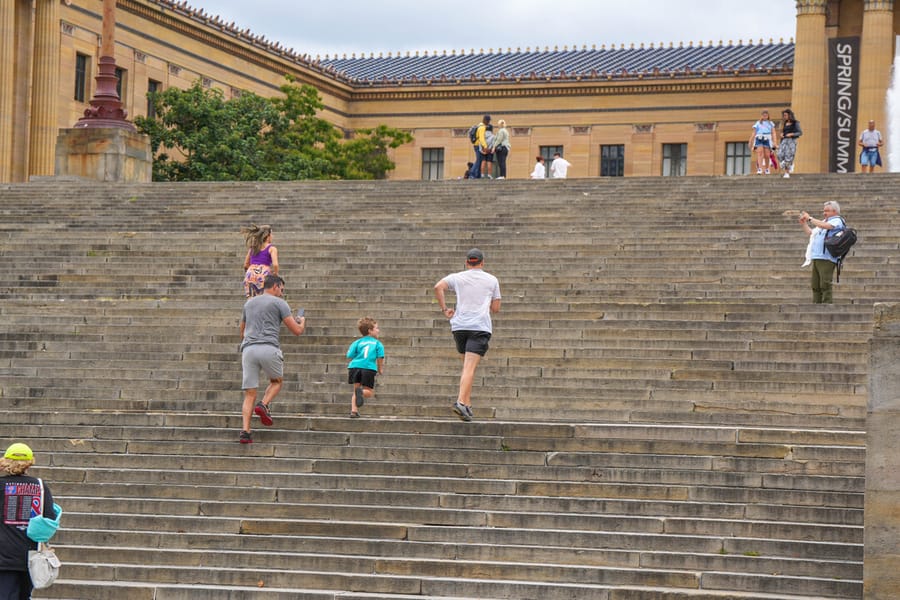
(613, 62)
(651, 62)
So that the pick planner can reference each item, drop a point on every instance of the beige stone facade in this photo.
(702, 116)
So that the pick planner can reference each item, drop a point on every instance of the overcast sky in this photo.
(363, 26)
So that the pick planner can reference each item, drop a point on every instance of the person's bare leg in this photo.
(247, 408)
(467, 377)
(272, 390)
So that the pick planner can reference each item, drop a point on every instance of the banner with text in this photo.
(843, 85)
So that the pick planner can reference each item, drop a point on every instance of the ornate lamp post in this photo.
(106, 106)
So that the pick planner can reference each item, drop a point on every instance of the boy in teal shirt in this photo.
(366, 361)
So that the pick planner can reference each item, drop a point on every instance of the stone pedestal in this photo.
(104, 154)
(881, 567)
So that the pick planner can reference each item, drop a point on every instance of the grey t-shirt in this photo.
(263, 316)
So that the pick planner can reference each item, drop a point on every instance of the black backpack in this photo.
(839, 244)
(473, 132)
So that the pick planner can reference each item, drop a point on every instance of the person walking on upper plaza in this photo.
(477, 297)
(870, 141)
(559, 168)
(787, 150)
(261, 350)
(480, 146)
(501, 147)
(823, 262)
(487, 167)
(261, 260)
(366, 356)
(763, 140)
(540, 170)
(21, 501)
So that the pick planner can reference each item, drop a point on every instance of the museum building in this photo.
(666, 109)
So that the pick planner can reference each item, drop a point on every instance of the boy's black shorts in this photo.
(472, 341)
(364, 377)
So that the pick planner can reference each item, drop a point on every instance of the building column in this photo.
(810, 76)
(7, 87)
(876, 56)
(45, 88)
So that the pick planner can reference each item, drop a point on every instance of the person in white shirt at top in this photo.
(870, 141)
(477, 297)
(540, 171)
(559, 167)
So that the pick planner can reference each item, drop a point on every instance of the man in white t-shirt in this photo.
(559, 167)
(477, 297)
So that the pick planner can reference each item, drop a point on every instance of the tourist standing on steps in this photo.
(261, 260)
(559, 168)
(787, 150)
(480, 146)
(477, 297)
(366, 356)
(487, 167)
(501, 147)
(21, 501)
(823, 262)
(540, 170)
(261, 349)
(762, 141)
(870, 141)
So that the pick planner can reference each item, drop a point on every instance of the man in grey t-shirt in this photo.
(261, 350)
(477, 297)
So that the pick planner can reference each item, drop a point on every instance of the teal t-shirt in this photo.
(364, 352)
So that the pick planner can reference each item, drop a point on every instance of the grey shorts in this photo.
(261, 357)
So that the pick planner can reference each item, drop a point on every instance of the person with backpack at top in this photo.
(763, 141)
(479, 144)
(823, 263)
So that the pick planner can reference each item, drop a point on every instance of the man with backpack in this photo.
(479, 143)
(823, 263)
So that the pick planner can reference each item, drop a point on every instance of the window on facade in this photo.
(121, 78)
(82, 64)
(153, 87)
(612, 160)
(737, 158)
(547, 153)
(674, 160)
(432, 164)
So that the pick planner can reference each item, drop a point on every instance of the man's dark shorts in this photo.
(364, 377)
(475, 342)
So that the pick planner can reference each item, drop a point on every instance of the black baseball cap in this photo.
(474, 256)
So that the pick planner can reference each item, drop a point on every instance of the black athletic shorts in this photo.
(475, 342)
(364, 377)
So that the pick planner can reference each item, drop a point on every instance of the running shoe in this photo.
(262, 411)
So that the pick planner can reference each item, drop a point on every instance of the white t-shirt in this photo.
(559, 167)
(540, 171)
(475, 290)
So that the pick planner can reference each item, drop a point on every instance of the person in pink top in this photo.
(262, 258)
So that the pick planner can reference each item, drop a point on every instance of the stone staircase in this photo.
(663, 414)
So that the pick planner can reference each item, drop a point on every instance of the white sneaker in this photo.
(501, 177)
(767, 171)
(787, 175)
(759, 171)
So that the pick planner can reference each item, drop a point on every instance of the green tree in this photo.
(197, 135)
